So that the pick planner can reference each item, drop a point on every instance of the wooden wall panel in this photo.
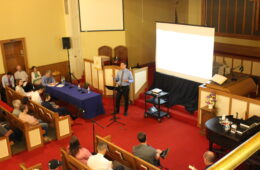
(240, 107)
(247, 66)
(254, 109)
(256, 68)
(222, 105)
(88, 73)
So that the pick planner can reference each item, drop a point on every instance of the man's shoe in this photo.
(125, 114)
(164, 153)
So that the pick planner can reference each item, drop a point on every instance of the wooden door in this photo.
(14, 54)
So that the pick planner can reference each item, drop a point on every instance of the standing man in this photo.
(22, 75)
(123, 79)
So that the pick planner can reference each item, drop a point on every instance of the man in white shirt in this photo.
(36, 95)
(98, 161)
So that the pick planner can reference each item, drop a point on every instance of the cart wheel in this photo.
(159, 120)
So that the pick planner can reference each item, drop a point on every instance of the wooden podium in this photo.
(243, 85)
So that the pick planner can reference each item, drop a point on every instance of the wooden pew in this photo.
(62, 124)
(33, 134)
(5, 151)
(71, 163)
(34, 167)
(124, 157)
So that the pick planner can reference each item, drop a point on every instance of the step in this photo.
(178, 112)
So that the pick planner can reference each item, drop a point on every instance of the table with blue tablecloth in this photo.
(88, 101)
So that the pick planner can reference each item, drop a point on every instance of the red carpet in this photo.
(186, 144)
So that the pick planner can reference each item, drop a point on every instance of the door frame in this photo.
(2, 42)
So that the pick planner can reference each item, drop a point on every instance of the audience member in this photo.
(8, 80)
(19, 88)
(53, 107)
(16, 105)
(54, 164)
(209, 158)
(36, 76)
(146, 152)
(48, 79)
(36, 95)
(77, 151)
(98, 161)
(21, 74)
(24, 116)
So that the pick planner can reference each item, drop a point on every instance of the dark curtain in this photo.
(181, 91)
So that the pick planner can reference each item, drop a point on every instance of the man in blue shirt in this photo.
(123, 79)
(47, 79)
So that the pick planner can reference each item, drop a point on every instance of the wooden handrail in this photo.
(238, 155)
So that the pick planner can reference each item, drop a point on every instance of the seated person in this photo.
(208, 158)
(48, 79)
(16, 105)
(36, 76)
(36, 95)
(53, 107)
(8, 80)
(77, 151)
(146, 152)
(22, 75)
(98, 161)
(25, 117)
(19, 88)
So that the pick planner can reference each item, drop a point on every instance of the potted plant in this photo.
(211, 100)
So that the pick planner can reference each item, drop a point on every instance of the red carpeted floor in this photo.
(184, 140)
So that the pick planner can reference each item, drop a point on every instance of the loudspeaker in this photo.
(66, 42)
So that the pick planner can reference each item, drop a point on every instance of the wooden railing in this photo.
(239, 154)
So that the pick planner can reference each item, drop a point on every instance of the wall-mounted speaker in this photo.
(66, 42)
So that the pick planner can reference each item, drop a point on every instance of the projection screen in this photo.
(185, 51)
(101, 15)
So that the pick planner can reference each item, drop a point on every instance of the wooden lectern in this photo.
(243, 86)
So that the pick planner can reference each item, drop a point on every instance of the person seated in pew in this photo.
(48, 79)
(99, 162)
(31, 120)
(19, 88)
(16, 105)
(36, 76)
(21, 74)
(55, 108)
(36, 95)
(77, 151)
(7, 81)
(209, 159)
(146, 152)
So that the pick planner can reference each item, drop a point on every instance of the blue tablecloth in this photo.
(90, 102)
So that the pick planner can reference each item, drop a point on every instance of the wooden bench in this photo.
(71, 163)
(62, 124)
(124, 157)
(33, 134)
(34, 167)
(5, 151)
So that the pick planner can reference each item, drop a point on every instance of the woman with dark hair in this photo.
(36, 76)
(77, 151)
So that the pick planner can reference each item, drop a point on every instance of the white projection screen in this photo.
(185, 51)
(101, 15)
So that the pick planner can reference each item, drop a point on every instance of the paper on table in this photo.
(60, 85)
